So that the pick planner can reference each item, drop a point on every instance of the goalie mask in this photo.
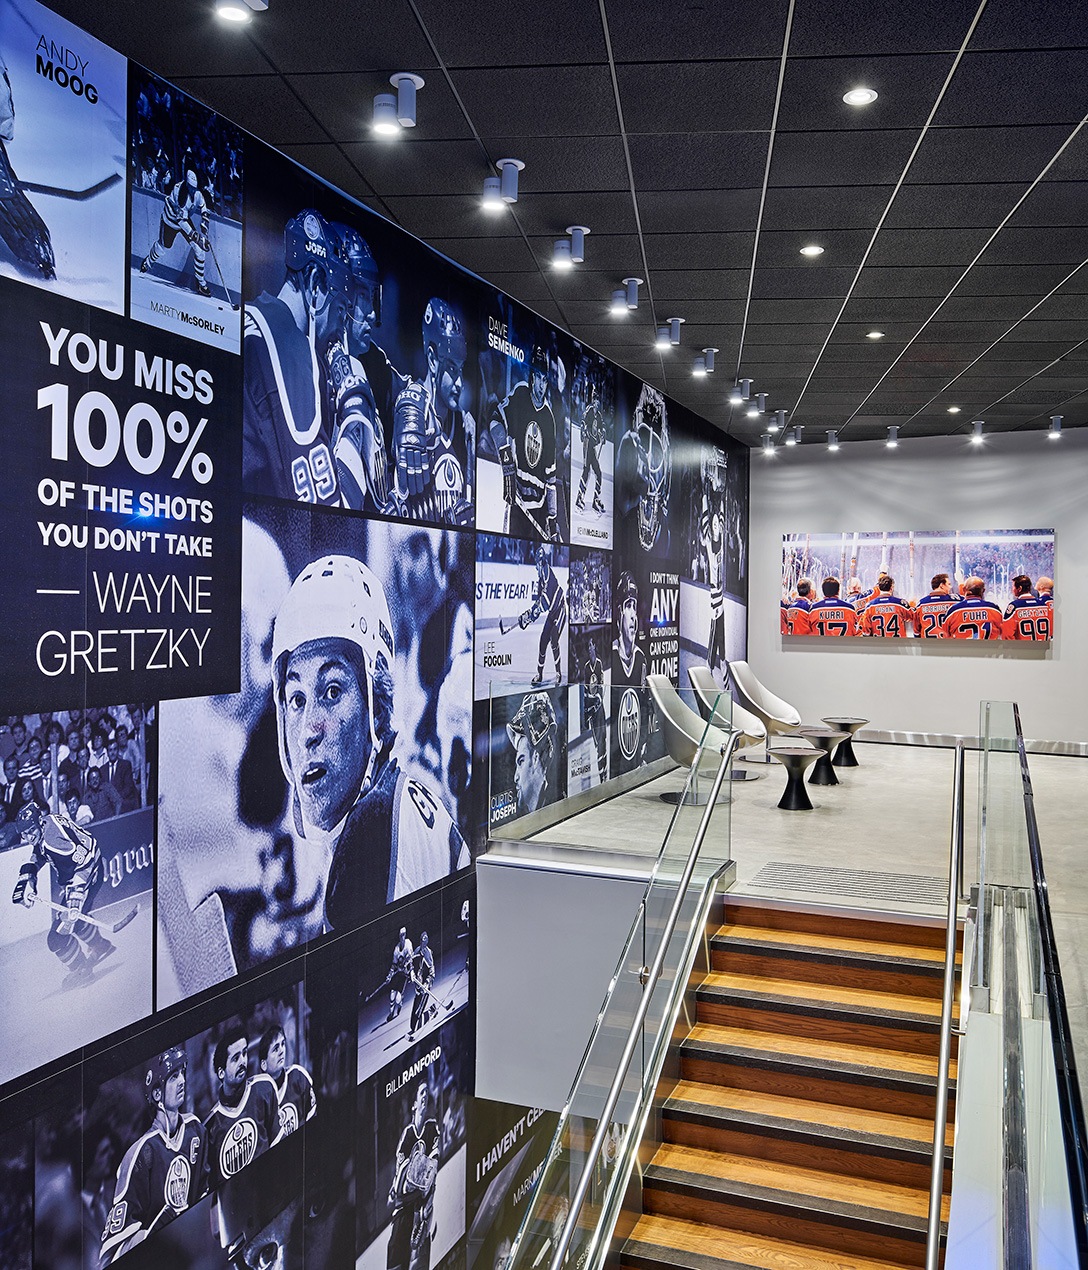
(651, 428)
(534, 720)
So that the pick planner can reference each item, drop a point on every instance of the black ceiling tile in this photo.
(421, 167)
(505, 255)
(804, 211)
(559, 164)
(610, 212)
(953, 333)
(1064, 332)
(628, 337)
(1072, 163)
(1063, 304)
(330, 163)
(647, 30)
(677, 97)
(693, 211)
(342, 102)
(932, 280)
(812, 93)
(1028, 280)
(671, 161)
(448, 216)
(1017, 87)
(840, 158)
(1023, 246)
(514, 32)
(539, 101)
(760, 363)
(1054, 203)
(927, 246)
(781, 312)
(699, 251)
(857, 26)
(985, 308)
(873, 312)
(674, 286)
(842, 247)
(758, 337)
(965, 155)
(815, 281)
(262, 103)
(170, 40)
(856, 333)
(952, 206)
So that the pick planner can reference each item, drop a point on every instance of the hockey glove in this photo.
(410, 431)
(509, 474)
(75, 897)
(26, 892)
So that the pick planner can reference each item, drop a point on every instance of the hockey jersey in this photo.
(832, 616)
(973, 618)
(797, 617)
(71, 851)
(286, 416)
(930, 614)
(396, 839)
(160, 1176)
(531, 433)
(297, 1100)
(550, 598)
(712, 532)
(887, 617)
(593, 679)
(445, 502)
(184, 210)
(632, 705)
(237, 1135)
(1028, 617)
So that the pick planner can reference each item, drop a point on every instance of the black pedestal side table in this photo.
(825, 740)
(844, 756)
(795, 759)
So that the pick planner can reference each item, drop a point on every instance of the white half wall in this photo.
(1016, 481)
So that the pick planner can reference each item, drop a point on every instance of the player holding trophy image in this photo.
(411, 1195)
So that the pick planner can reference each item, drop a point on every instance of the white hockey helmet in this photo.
(335, 597)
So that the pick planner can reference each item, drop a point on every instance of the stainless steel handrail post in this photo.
(936, 1179)
(634, 1035)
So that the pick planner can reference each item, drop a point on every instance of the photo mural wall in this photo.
(324, 560)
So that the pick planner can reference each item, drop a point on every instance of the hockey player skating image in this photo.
(287, 343)
(185, 212)
(411, 1195)
(22, 231)
(424, 1004)
(399, 972)
(596, 715)
(549, 599)
(523, 431)
(629, 680)
(245, 1121)
(532, 732)
(75, 864)
(379, 834)
(433, 438)
(294, 1086)
(162, 1173)
(593, 429)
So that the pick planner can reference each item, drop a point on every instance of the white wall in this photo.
(1016, 481)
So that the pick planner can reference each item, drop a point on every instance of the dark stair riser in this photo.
(838, 926)
(641, 1256)
(916, 979)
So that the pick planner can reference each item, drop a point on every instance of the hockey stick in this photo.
(222, 280)
(78, 196)
(113, 928)
(384, 984)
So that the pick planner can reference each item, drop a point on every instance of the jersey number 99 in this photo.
(314, 475)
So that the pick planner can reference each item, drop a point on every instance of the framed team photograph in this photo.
(594, 404)
(521, 614)
(527, 757)
(62, 157)
(185, 211)
(938, 586)
(77, 859)
(277, 826)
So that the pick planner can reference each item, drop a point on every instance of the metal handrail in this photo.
(650, 978)
(955, 873)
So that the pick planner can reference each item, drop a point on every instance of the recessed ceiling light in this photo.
(875, 335)
(859, 97)
(953, 410)
(812, 250)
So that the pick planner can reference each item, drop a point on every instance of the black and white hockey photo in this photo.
(414, 969)
(358, 359)
(635, 737)
(411, 1164)
(337, 781)
(594, 414)
(527, 753)
(589, 708)
(523, 442)
(185, 190)
(77, 864)
(17, 1197)
(521, 614)
(62, 157)
(643, 474)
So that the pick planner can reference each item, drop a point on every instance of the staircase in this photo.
(799, 1133)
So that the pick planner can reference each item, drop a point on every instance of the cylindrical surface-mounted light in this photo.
(1055, 429)
(832, 439)
(674, 329)
(708, 358)
(493, 195)
(561, 257)
(384, 121)
(893, 436)
(768, 443)
(632, 285)
(698, 367)
(508, 172)
(618, 307)
(406, 85)
(976, 434)
(780, 419)
(662, 340)
(577, 242)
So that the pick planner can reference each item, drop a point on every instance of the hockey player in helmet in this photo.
(644, 473)
(359, 441)
(381, 835)
(162, 1173)
(22, 230)
(524, 435)
(629, 681)
(76, 864)
(711, 544)
(184, 212)
(287, 400)
(593, 430)
(551, 599)
(593, 705)
(433, 437)
(532, 733)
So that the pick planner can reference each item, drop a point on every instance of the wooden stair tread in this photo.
(880, 950)
(801, 1111)
(792, 1180)
(895, 1061)
(716, 1244)
(875, 1001)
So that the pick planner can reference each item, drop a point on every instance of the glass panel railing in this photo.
(577, 1198)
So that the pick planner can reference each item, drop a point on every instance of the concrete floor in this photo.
(890, 815)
